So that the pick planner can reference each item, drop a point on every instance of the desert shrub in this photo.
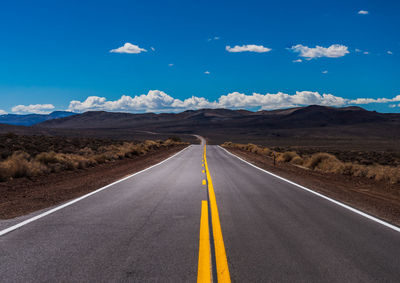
(47, 157)
(286, 156)
(175, 139)
(100, 158)
(227, 144)
(87, 151)
(266, 151)
(383, 173)
(253, 148)
(297, 160)
(152, 145)
(170, 142)
(321, 157)
(19, 164)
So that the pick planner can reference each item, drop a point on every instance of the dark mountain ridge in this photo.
(300, 117)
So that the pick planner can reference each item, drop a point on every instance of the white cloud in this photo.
(363, 12)
(159, 101)
(297, 61)
(154, 100)
(2, 112)
(129, 49)
(333, 51)
(152, 48)
(389, 52)
(358, 50)
(207, 72)
(248, 48)
(325, 72)
(392, 105)
(374, 100)
(365, 52)
(213, 38)
(33, 108)
(170, 64)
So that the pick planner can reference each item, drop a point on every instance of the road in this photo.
(146, 228)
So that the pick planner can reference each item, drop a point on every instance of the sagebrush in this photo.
(22, 164)
(325, 162)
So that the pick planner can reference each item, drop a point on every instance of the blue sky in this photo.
(55, 52)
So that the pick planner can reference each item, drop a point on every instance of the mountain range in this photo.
(32, 119)
(319, 126)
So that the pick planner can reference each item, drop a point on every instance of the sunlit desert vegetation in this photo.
(30, 156)
(326, 162)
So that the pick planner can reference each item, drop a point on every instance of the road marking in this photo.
(219, 247)
(204, 182)
(393, 227)
(23, 223)
(204, 268)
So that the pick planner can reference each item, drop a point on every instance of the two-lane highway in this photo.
(147, 228)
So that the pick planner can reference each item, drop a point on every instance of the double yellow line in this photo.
(204, 273)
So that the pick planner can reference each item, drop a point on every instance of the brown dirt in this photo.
(380, 199)
(22, 196)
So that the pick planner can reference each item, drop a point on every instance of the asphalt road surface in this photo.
(146, 228)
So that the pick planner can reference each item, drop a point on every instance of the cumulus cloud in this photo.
(2, 112)
(207, 72)
(159, 101)
(389, 52)
(297, 61)
(128, 48)
(325, 72)
(33, 109)
(248, 48)
(358, 50)
(363, 12)
(365, 52)
(333, 51)
(152, 48)
(154, 100)
(170, 64)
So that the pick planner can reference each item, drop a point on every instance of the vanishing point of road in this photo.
(201, 215)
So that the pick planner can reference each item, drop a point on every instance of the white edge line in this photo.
(25, 222)
(320, 195)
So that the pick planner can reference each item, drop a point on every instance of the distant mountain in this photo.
(32, 119)
(192, 120)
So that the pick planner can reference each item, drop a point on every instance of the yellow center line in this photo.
(204, 268)
(219, 247)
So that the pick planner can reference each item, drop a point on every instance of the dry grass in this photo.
(22, 164)
(326, 163)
